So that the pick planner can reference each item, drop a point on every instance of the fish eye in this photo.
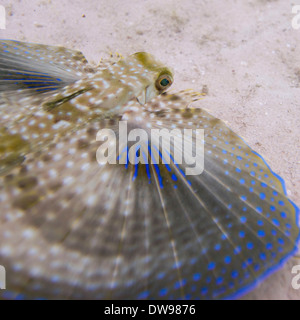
(163, 82)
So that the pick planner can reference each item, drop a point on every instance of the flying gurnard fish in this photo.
(72, 227)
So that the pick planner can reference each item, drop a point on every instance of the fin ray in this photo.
(21, 63)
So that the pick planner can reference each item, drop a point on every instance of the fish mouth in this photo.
(142, 98)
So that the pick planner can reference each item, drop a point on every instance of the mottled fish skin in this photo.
(72, 228)
(38, 115)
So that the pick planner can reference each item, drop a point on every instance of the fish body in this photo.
(72, 227)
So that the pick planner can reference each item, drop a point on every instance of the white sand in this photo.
(246, 52)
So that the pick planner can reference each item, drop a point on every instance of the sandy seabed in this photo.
(246, 53)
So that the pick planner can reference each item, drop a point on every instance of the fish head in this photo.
(156, 77)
